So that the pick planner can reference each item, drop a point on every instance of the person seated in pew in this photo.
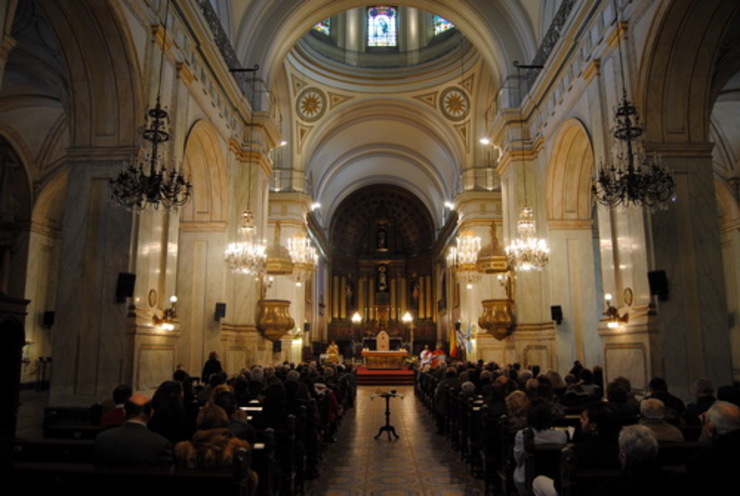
(214, 446)
(641, 475)
(539, 419)
(117, 415)
(132, 443)
(652, 413)
(712, 470)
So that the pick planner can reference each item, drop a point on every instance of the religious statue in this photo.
(382, 278)
(381, 239)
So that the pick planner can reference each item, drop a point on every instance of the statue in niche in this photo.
(415, 293)
(382, 284)
(349, 295)
(381, 238)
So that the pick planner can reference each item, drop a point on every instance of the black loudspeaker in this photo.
(556, 314)
(47, 319)
(457, 326)
(220, 311)
(125, 286)
(277, 346)
(306, 327)
(658, 284)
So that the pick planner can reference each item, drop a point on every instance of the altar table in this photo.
(387, 360)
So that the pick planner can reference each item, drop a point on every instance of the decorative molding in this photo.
(336, 100)
(592, 70)
(184, 73)
(428, 98)
(201, 226)
(570, 224)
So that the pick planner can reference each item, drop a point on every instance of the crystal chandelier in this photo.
(463, 257)
(635, 179)
(247, 256)
(305, 258)
(527, 252)
(149, 182)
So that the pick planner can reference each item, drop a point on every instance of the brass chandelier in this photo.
(149, 181)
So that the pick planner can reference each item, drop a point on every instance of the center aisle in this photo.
(419, 463)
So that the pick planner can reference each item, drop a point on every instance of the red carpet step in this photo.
(366, 376)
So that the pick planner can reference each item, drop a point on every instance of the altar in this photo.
(385, 360)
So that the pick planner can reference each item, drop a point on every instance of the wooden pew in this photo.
(83, 479)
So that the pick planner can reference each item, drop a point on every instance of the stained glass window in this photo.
(381, 26)
(324, 27)
(441, 25)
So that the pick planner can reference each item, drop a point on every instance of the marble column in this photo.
(693, 325)
(89, 341)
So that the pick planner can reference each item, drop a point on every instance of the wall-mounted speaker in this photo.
(47, 319)
(220, 312)
(556, 314)
(457, 326)
(125, 286)
(658, 284)
(306, 327)
(277, 346)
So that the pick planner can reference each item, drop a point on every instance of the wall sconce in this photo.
(614, 320)
(168, 316)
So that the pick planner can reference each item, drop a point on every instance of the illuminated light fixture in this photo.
(248, 255)
(356, 318)
(526, 252)
(450, 205)
(463, 258)
(169, 315)
(633, 179)
(315, 205)
(283, 142)
(613, 319)
(149, 182)
(305, 258)
(485, 141)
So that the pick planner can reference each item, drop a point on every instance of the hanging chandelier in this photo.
(305, 258)
(149, 181)
(248, 255)
(633, 179)
(463, 257)
(527, 251)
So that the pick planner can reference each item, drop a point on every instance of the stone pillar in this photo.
(693, 326)
(89, 341)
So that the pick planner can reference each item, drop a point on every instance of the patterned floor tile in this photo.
(418, 463)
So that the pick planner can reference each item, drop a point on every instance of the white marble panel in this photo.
(155, 365)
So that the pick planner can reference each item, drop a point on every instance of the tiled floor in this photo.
(420, 462)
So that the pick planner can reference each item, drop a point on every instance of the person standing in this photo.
(212, 366)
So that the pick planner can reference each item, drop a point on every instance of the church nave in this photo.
(419, 462)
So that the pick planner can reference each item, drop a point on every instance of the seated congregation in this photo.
(527, 432)
(262, 431)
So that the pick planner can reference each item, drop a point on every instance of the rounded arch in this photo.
(569, 173)
(204, 164)
(102, 74)
(676, 81)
